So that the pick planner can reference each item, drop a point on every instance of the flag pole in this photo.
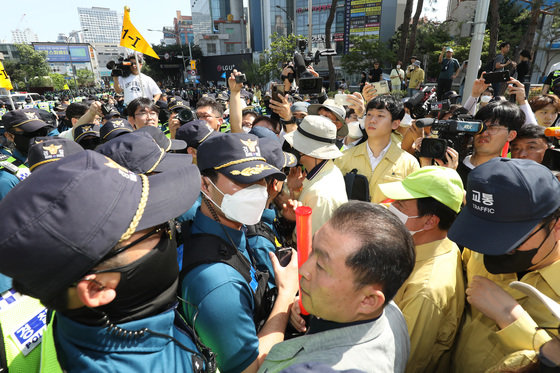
(139, 73)
(11, 101)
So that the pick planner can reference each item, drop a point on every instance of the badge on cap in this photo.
(53, 151)
(250, 171)
(123, 171)
(31, 115)
(251, 148)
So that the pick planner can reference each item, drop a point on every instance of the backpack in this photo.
(357, 186)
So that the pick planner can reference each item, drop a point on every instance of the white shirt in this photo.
(467, 162)
(132, 89)
(373, 160)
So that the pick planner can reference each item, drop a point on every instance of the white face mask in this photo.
(485, 99)
(354, 130)
(407, 120)
(244, 206)
(246, 129)
(403, 217)
(398, 66)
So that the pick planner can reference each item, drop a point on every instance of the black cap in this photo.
(138, 152)
(195, 132)
(85, 130)
(48, 149)
(27, 120)
(237, 156)
(113, 128)
(111, 114)
(100, 203)
(162, 140)
(178, 104)
(506, 199)
(272, 151)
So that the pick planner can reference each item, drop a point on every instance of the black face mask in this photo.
(147, 287)
(519, 261)
(299, 120)
(23, 140)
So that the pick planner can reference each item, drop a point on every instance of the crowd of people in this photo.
(143, 230)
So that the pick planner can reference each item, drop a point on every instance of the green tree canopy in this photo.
(364, 52)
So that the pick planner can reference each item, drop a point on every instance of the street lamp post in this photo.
(72, 62)
(290, 18)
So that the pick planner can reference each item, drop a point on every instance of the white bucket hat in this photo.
(338, 111)
(315, 137)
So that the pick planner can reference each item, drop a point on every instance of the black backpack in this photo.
(357, 186)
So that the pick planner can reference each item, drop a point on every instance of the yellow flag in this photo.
(131, 38)
(5, 79)
(66, 88)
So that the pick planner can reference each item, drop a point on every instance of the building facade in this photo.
(26, 36)
(100, 25)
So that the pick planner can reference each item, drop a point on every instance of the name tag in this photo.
(30, 334)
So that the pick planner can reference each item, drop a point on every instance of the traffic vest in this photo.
(554, 81)
(15, 167)
(22, 323)
(49, 358)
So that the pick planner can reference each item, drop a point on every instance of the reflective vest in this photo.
(15, 167)
(554, 81)
(22, 324)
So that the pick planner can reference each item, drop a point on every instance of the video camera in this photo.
(454, 133)
(119, 68)
(186, 115)
(307, 82)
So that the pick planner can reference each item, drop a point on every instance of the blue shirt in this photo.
(7, 179)
(260, 247)
(222, 303)
(83, 348)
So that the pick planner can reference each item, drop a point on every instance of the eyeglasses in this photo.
(144, 113)
(204, 116)
(493, 129)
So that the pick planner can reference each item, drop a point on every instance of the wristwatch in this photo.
(290, 121)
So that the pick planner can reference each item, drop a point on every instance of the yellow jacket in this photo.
(416, 77)
(395, 166)
(432, 300)
(480, 343)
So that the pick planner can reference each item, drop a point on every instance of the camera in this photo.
(440, 105)
(420, 103)
(241, 78)
(307, 82)
(186, 115)
(454, 133)
(119, 68)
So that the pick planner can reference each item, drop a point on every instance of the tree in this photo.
(281, 50)
(494, 22)
(58, 81)
(404, 29)
(253, 73)
(548, 34)
(31, 64)
(85, 78)
(529, 36)
(364, 52)
(328, 27)
(412, 39)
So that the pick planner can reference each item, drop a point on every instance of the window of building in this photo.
(230, 48)
(211, 47)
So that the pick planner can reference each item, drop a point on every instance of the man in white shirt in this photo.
(136, 84)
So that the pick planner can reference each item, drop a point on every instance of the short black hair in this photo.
(143, 103)
(271, 124)
(505, 113)
(394, 106)
(217, 107)
(76, 110)
(431, 206)
(530, 131)
(386, 255)
(503, 44)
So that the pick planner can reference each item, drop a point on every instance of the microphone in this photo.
(552, 131)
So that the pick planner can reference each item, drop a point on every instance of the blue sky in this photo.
(48, 18)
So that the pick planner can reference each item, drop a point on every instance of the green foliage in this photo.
(364, 52)
(85, 78)
(514, 21)
(31, 64)
(281, 50)
(58, 81)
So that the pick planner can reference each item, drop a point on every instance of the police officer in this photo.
(109, 273)
(21, 126)
(226, 298)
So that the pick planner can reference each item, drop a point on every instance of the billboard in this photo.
(59, 52)
(361, 17)
(213, 67)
